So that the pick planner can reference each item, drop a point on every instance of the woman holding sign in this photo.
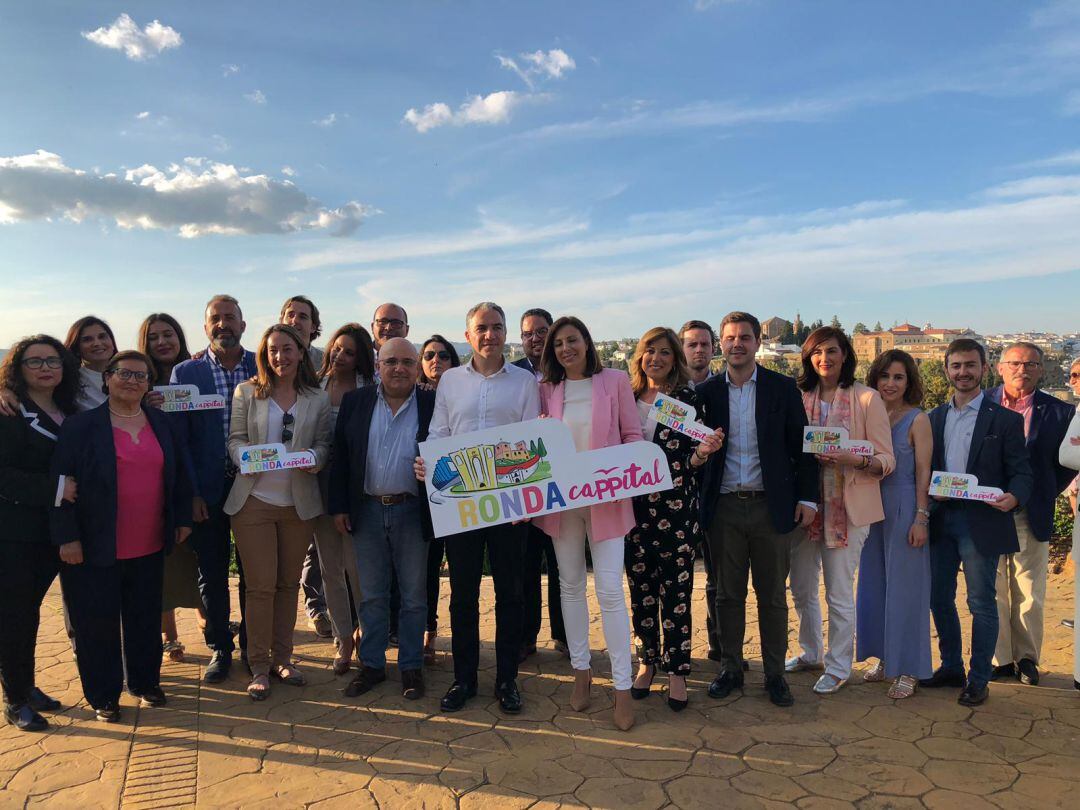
(273, 513)
(660, 547)
(598, 407)
(850, 498)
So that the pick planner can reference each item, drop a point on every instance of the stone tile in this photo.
(880, 777)
(956, 750)
(884, 802)
(970, 777)
(788, 760)
(533, 775)
(1038, 791)
(693, 792)
(488, 796)
(55, 772)
(831, 786)
(622, 792)
(715, 765)
(1016, 727)
(410, 757)
(950, 800)
(1050, 765)
(883, 749)
(895, 723)
(768, 786)
(822, 803)
(1053, 736)
(412, 793)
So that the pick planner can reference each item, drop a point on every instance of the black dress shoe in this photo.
(24, 718)
(412, 684)
(944, 677)
(778, 690)
(642, 692)
(676, 705)
(509, 697)
(1003, 672)
(109, 713)
(724, 684)
(152, 698)
(973, 695)
(456, 695)
(366, 680)
(40, 702)
(218, 668)
(1027, 672)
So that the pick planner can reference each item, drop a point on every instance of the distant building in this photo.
(773, 328)
(928, 343)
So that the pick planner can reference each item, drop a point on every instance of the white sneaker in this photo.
(799, 664)
(829, 684)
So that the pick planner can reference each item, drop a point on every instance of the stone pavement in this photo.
(312, 747)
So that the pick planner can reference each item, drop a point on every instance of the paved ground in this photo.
(311, 747)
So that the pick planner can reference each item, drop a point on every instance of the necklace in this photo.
(124, 415)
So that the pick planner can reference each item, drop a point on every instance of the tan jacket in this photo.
(862, 490)
(311, 431)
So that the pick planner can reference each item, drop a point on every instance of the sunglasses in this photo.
(443, 355)
(286, 431)
(1074, 375)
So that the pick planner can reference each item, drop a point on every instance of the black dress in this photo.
(660, 554)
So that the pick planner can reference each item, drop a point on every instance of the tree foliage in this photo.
(859, 329)
(935, 383)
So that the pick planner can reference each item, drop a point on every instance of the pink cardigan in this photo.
(615, 420)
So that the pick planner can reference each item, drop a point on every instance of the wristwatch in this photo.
(923, 512)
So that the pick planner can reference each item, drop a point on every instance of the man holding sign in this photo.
(976, 436)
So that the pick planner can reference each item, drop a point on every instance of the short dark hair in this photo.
(913, 394)
(11, 371)
(965, 345)
(128, 354)
(71, 342)
(143, 344)
(808, 380)
(228, 299)
(535, 312)
(316, 324)
(550, 366)
(686, 327)
(742, 317)
(455, 361)
(365, 351)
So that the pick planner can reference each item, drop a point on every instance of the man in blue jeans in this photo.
(374, 497)
(973, 435)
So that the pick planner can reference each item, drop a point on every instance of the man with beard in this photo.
(224, 365)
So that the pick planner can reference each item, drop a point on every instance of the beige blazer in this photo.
(311, 431)
(862, 490)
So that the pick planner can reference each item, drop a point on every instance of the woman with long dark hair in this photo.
(92, 342)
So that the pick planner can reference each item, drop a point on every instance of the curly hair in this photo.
(11, 376)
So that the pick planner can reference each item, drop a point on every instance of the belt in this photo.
(391, 500)
(745, 494)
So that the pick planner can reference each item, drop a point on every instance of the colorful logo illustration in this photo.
(259, 455)
(672, 408)
(488, 467)
(819, 436)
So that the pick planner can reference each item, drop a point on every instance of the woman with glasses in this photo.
(134, 502)
(348, 364)
(273, 513)
(45, 378)
(436, 356)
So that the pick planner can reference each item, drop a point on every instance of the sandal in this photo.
(903, 687)
(876, 674)
(289, 674)
(174, 650)
(259, 688)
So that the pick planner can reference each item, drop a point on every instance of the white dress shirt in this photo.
(959, 425)
(742, 464)
(466, 400)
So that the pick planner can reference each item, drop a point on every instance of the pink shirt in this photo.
(1021, 405)
(140, 494)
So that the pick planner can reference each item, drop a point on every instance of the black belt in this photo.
(745, 494)
(391, 500)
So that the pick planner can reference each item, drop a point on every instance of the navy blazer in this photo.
(205, 431)
(348, 464)
(1050, 419)
(997, 458)
(87, 452)
(27, 490)
(788, 474)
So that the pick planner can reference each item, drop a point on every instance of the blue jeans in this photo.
(389, 540)
(951, 545)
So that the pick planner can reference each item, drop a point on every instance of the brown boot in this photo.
(623, 715)
(579, 699)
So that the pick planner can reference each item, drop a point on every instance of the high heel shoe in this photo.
(623, 713)
(675, 704)
(579, 699)
(642, 692)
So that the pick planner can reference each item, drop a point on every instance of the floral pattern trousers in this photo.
(660, 570)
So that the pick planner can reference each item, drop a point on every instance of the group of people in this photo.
(136, 509)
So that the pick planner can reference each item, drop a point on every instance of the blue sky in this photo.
(631, 162)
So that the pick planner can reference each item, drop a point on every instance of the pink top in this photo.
(140, 494)
(1021, 405)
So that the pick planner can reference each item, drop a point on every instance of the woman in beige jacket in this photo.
(850, 501)
(273, 513)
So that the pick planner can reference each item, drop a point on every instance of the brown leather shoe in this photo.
(412, 684)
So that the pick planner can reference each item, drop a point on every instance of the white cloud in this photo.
(143, 115)
(1062, 159)
(288, 171)
(327, 121)
(137, 44)
(493, 108)
(195, 198)
(229, 70)
(553, 63)
(1044, 185)
(257, 97)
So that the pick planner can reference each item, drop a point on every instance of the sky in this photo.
(634, 163)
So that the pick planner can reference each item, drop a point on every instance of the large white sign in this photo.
(831, 439)
(527, 469)
(260, 458)
(962, 486)
(679, 416)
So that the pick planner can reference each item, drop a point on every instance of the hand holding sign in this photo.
(180, 398)
(824, 441)
(964, 486)
(260, 458)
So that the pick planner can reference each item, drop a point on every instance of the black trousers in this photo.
(711, 627)
(465, 553)
(538, 548)
(116, 611)
(29, 569)
(210, 542)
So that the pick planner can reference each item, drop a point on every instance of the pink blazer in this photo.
(615, 420)
(862, 490)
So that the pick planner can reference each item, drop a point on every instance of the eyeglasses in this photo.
(126, 374)
(36, 363)
(1074, 375)
(286, 431)
(540, 333)
(395, 323)
(1015, 365)
(393, 362)
(443, 355)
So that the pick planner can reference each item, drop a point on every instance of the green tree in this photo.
(877, 327)
(935, 384)
(859, 328)
(540, 449)
(835, 323)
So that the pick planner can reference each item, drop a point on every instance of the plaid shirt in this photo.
(225, 382)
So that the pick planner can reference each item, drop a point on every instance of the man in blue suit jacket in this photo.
(972, 435)
(1021, 579)
(224, 365)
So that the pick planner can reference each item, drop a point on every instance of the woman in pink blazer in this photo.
(597, 405)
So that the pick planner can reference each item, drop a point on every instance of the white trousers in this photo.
(808, 560)
(1021, 595)
(607, 560)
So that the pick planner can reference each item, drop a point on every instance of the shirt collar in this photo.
(753, 377)
(212, 358)
(1019, 403)
(975, 404)
(472, 369)
(404, 405)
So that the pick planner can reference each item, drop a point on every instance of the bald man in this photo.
(389, 321)
(375, 498)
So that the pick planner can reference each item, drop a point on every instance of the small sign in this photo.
(962, 486)
(260, 458)
(680, 417)
(833, 439)
(180, 398)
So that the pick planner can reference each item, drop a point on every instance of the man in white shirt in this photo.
(485, 392)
